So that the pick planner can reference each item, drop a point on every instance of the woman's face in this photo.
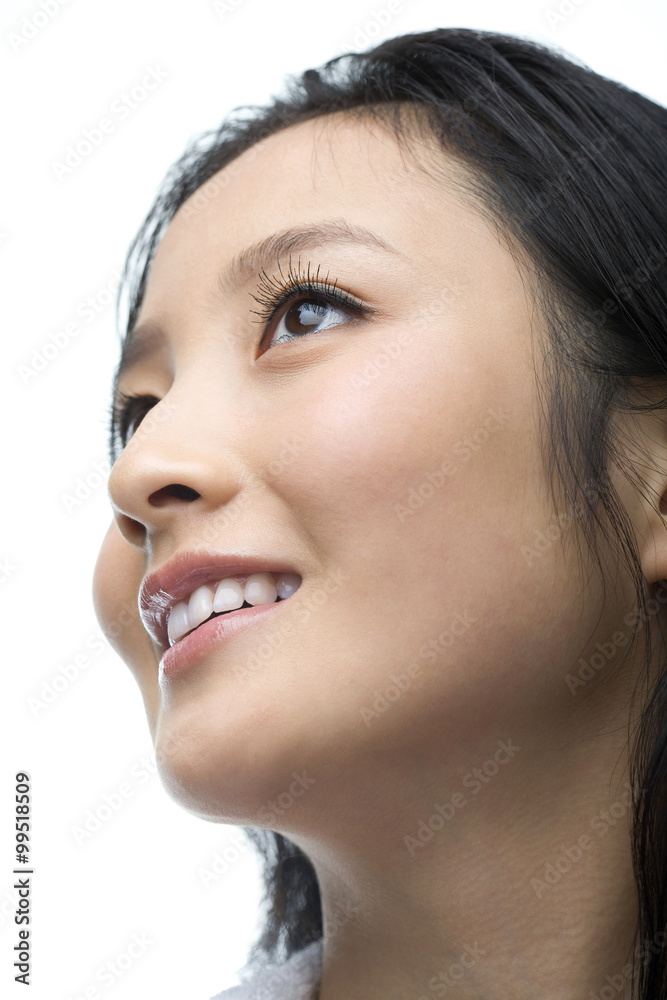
(383, 447)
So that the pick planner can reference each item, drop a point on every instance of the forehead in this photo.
(349, 168)
(351, 157)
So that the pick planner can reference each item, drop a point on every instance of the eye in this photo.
(299, 303)
(311, 315)
(127, 413)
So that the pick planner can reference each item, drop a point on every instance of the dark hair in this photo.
(570, 168)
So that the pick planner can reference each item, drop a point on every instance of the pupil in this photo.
(303, 317)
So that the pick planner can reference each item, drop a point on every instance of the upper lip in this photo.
(183, 573)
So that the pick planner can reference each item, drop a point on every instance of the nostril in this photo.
(132, 531)
(175, 490)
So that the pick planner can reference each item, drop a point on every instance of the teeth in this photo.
(260, 588)
(286, 584)
(178, 623)
(228, 595)
(200, 605)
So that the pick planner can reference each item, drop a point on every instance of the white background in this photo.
(61, 240)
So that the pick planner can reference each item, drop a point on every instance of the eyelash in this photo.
(273, 292)
(298, 285)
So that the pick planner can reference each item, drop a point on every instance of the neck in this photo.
(507, 880)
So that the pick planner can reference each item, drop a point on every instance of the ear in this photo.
(644, 449)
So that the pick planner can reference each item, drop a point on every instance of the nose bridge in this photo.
(184, 456)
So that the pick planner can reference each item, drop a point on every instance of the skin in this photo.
(369, 429)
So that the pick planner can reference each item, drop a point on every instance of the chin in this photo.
(218, 772)
(209, 792)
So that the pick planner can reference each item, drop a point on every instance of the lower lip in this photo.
(189, 651)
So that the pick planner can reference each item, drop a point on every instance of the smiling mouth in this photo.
(217, 598)
(220, 614)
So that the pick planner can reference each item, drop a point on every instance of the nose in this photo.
(175, 468)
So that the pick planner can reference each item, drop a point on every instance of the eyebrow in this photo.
(250, 262)
(336, 232)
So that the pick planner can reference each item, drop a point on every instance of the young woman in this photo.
(390, 468)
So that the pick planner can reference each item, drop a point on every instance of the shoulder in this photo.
(296, 979)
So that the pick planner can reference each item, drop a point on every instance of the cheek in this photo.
(424, 482)
(116, 581)
(392, 448)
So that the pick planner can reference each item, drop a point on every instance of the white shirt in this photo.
(296, 979)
